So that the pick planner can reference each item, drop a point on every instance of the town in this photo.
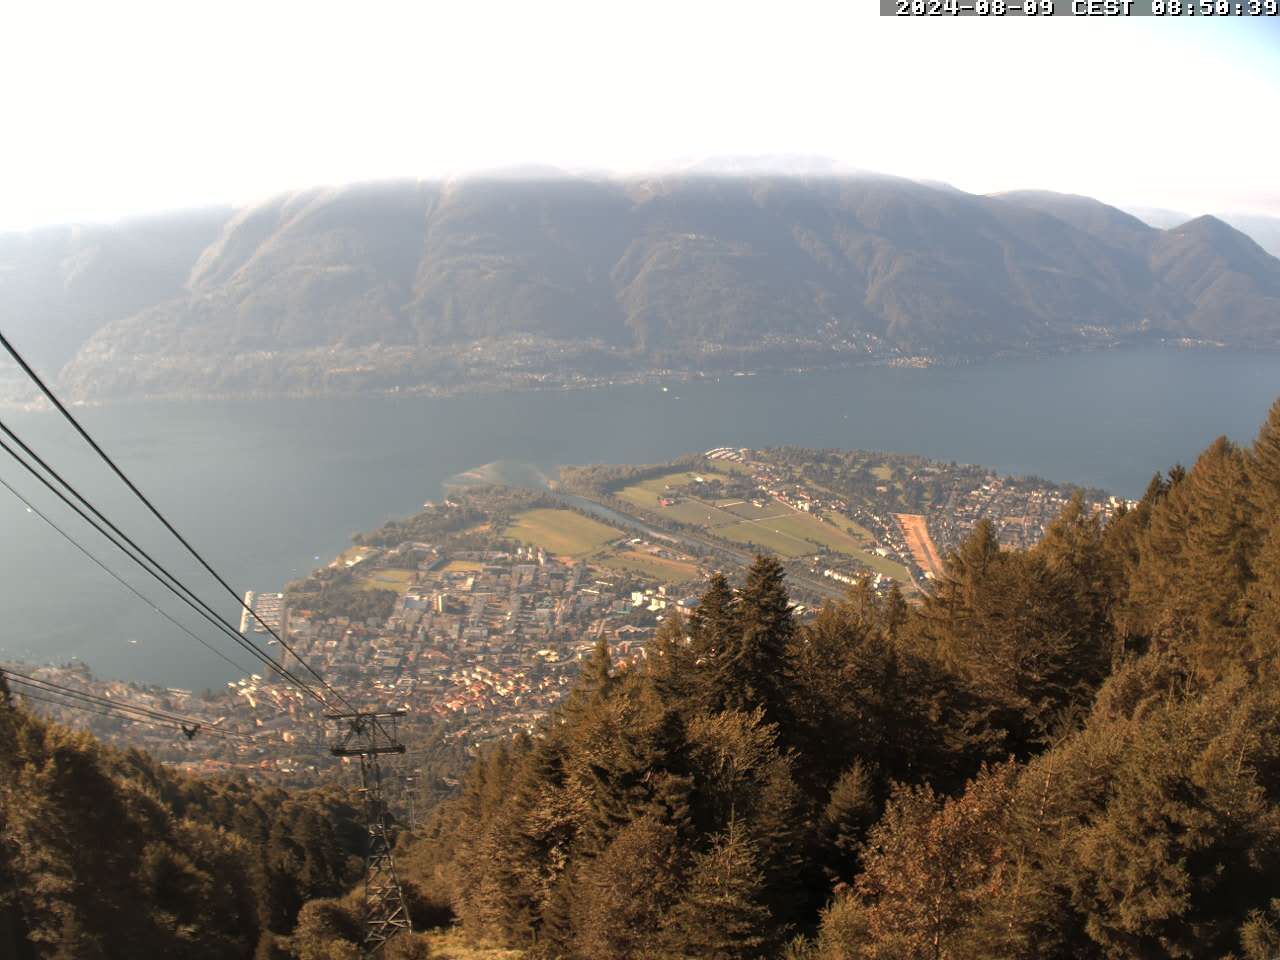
(474, 615)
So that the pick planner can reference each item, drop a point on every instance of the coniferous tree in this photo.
(895, 612)
(715, 620)
(752, 671)
(721, 916)
(629, 760)
(624, 894)
(714, 629)
(1074, 550)
(743, 777)
(671, 665)
(1264, 469)
(1014, 627)
(1261, 606)
(1184, 845)
(850, 812)
(1194, 561)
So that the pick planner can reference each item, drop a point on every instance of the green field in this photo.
(697, 512)
(855, 530)
(647, 565)
(794, 534)
(798, 535)
(747, 510)
(773, 527)
(561, 532)
(647, 493)
(731, 466)
(766, 536)
(391, 578)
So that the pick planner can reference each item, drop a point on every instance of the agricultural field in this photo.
(389, 578)
(767, 536)
(648, 565)
(747, 510)
(796, 534)
(697, 512)
(805, 527)
(703, 513)
(772, 526)
(646, 493)
(562, 533)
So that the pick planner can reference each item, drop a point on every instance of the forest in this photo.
(1071, 751)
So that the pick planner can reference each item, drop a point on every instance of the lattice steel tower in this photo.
(368, 736)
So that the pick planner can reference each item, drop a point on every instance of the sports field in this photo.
(391, 578)
(562, 533)
(462, 566)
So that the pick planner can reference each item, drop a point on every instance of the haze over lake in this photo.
(265, 488)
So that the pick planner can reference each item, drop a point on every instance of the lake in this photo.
(268, 489)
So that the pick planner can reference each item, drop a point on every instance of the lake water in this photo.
(265, 488)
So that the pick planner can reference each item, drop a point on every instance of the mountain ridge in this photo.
(566, 277)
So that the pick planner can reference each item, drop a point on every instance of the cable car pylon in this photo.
(369, 736)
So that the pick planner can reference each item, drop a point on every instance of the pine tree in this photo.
(1221, 544)
(720, 916)
(1264, 469)
(1073, 548)
(671, 665)
(715, 620)
(1175, 845)
(597, 672)
(623, 895)
(1152, 581)
(743, 777)
(895, 612)
(629, 760)
(1014, 627)
(850, 811)
(1262, 605)
(752, 671)
(1195, 561)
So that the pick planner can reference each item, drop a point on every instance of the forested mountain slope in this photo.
(105, 854)
(393, 284)
(1069, 752)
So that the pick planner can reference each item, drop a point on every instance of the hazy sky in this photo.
(124, 107)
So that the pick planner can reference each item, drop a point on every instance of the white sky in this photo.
(111, 108)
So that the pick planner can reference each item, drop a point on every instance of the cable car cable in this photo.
(49, 394)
